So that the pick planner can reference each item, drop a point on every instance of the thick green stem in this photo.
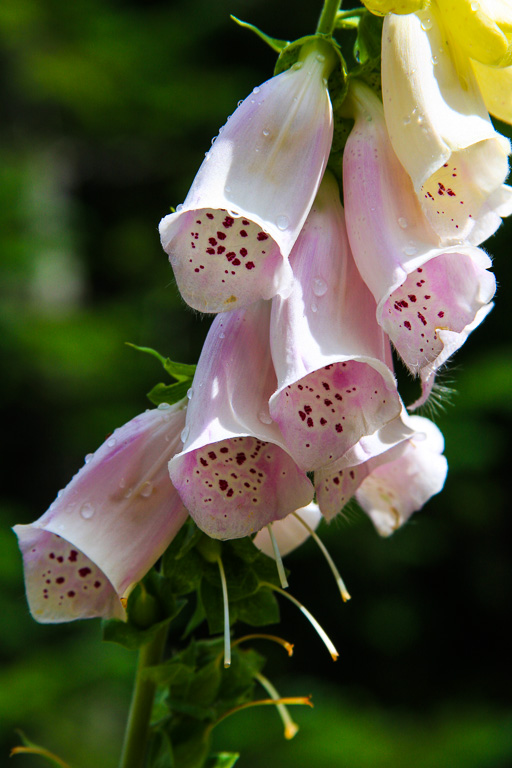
(327, 20)
(137, 727)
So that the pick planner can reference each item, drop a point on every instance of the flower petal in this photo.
(439, 127)
(332, 360)
(289, 532)
(428, 297)
(109, 525)
(253, 193)
(234, 473)
(496, 86)
(392, 484)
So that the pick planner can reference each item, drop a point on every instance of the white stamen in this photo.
(227, 634)
(339, 581)
(290, 727)
(325, 637)
(278, 558)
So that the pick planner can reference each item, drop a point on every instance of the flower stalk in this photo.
(137, 727)
(327, 20)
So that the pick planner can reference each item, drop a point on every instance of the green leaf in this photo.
(369, 35)
(160, 754)
(127, 635)
(273, 42)
(178, 371)
(169, 393)
(260, 609)
(171, 672)
(223, 760)
(191, 744)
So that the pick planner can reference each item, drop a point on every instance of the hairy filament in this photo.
(227, 633)
(257, 636)
(278, 558)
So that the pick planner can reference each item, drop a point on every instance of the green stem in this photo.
(327, 20)
(137, 727)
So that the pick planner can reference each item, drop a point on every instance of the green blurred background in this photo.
(107, 109)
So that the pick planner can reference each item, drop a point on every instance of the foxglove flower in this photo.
(289, 532)
(234, 473)
(429, 297)
(392, 484)
(333, 362)
(108, 526)
(440, 128)
(229, 242)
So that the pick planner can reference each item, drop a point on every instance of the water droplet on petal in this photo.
(403, 222)
(122, 483)
(111, 442)
(222, 335)
(406, 120)
(320, 57)
(265, 417)
(227, 189)
(282, 222)
(184, 434)
(426, 24)
(410, 250)
(179, 207)
(164, 407)
(87, 458)
(266, 132)
(475, 6)
(319, 286)
(59, 494)
(434, 60)
(190, 392)
(128, 493)
(86, 511)
(256, 90)
(314, 306)
(146, 489)
(240, 102)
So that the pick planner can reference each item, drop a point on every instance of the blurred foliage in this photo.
(107, 109)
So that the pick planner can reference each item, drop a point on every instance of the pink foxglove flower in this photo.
(391, 484)
(234, 473)
(440, 128)
(289, 532)
(332, 360)
(108, 526)
(429, 297)
(229, 242)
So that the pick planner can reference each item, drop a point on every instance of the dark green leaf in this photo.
(169, 673)
(259, 609)
(369, 35)
(160, 753)
(127, 635)
(169, 393)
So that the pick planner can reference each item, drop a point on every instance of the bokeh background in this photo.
(107, 108)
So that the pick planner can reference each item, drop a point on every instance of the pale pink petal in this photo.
(391, 484)
(109, 525)
(333, 364)
(428, 297)
(289, 532)
(440, 129)
(234, 473)
(261, 175)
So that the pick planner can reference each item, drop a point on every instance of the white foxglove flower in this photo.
(440, 128)
(235, 474)
(332, 360)
(289, 532)
(229, 242)
(429, 296)
(110, 524)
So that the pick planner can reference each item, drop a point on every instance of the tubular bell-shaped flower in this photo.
(392, 484)
(289, 532)
(440, 128)
(333, 362)
(234, 474)
(429, 297)
(108, 526)
(229, 242)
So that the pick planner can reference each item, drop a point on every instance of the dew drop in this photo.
(319, 286)
(426, 24)
(190, 392)
(164, 407)
(403, 222)
(179, 207)
(314, 306)
(59, 494)
(128, 493)
(222, 335)
(87, 458)
(206, 155)
(122, 483)
(434, 60)
(111, 442)
(266, 132)
(256, 90)
(282, 222)
(87, 511)
(406, 120)
(475, 6)
(264, 417)
(184, 434)
(320, 57)
(146, 489)
(410, 250)
(227, 189)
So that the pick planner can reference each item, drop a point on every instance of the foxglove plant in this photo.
(429, 296)
(235, 473)
(229, 242)
(83, 557)
(333, 362)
